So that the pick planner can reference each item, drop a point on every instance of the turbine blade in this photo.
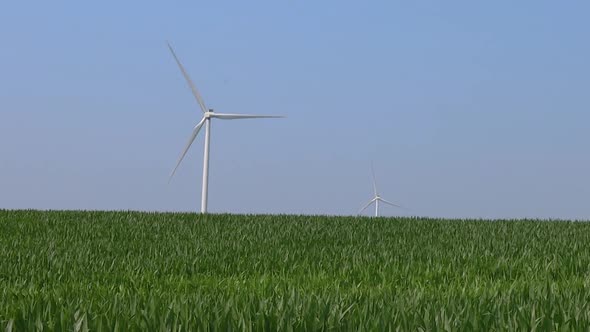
(374, 181)
(225, 116)
(366, 206)
(392, 204)
(188, 145)
(189, 81)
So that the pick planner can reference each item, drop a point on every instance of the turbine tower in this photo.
(377, 198)
(208, 115)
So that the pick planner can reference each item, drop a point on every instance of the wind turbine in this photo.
(208, 115)
(377, 198)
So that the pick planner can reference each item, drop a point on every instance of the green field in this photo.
(145, 271)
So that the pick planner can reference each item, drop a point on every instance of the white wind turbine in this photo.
(208, 114)
(377, 198)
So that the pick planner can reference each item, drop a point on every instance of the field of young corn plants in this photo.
(65, 270)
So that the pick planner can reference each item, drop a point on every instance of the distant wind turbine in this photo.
(377, 198)
(208, 114)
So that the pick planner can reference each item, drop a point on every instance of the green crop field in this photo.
(162, 271)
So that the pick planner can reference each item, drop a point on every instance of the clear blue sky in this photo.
(467, 108)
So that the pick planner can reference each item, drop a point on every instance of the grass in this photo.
(67, 270)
